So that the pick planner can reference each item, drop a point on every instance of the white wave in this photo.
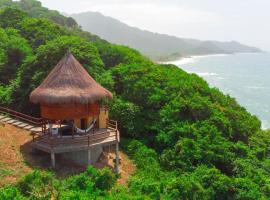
(255, 87)
(265, 124)
(206, 74)
(182, 61)
(203, 74)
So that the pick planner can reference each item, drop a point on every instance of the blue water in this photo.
(245, 77)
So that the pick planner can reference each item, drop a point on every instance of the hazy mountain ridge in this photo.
(154, 45)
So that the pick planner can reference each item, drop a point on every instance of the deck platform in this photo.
(63, 144)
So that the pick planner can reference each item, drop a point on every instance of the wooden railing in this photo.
(22, 117)
(82, 140)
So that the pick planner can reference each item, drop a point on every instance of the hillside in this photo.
(155, 45)
(187, 140)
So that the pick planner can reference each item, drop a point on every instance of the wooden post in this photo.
(89, 156)
(117, 158)
(53, 159)
(73, 130)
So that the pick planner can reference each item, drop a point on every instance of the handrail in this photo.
(85, 139)
(62, 141)
(21, 116)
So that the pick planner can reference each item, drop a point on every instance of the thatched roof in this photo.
(69, 82)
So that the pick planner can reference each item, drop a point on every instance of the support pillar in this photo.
(117, 158)
(89, 156)
(53, 160)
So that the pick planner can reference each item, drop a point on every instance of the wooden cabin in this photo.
(76, 123)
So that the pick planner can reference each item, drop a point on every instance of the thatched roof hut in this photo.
(69, 83)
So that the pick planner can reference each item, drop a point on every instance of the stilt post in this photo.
(89, 156)
(117, 158)
(53, 160)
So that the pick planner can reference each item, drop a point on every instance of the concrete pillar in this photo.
(89, 156)
(53, 160)
(117, 158)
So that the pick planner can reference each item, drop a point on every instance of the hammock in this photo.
(81, 131)
(53, 131)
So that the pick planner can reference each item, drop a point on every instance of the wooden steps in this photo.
(23, 125)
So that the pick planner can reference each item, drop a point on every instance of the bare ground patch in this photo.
(12, 163)
(18, 159)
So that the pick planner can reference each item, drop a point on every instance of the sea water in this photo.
(245, 77)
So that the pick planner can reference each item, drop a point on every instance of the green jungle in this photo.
(187, 140)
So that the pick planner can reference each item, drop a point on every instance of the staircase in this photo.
(20, 120)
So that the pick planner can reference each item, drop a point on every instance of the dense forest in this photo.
(188, 141)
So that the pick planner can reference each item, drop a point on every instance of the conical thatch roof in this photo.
(67, 83)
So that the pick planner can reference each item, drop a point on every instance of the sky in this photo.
(246, 21)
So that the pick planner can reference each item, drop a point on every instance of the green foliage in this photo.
(14, 50)
(39, 31)
(11, 18)
(113, 55)
(10, 193)
(103, 179)
(91, 184)
(37, 185)
(35, 9)
(128, 116)
(202, 182)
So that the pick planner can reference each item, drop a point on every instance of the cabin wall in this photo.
(77, 123)
(69, 111)
(89, 120)
(103, 117)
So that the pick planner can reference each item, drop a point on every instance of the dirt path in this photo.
(127, 168)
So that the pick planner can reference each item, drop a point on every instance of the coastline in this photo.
(190, 59)
(193, 59)
(237, 78)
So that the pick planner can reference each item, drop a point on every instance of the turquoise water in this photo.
(244, 76)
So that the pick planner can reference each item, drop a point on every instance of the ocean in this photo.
(245, 77)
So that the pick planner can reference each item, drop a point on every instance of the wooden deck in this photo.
(58, 144)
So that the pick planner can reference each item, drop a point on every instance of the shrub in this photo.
(103, 179)
(38, 184)
(10, 193)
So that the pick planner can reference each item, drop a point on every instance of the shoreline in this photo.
(192, 59)
(215, 78)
